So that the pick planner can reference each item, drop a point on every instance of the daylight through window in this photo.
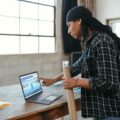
(27, 26)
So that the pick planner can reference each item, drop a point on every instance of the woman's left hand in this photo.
(69, 82)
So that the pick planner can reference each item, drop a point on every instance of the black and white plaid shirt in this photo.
(98, 64)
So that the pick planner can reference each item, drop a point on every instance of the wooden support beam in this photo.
(69, 93)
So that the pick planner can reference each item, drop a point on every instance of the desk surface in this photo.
(21, 109)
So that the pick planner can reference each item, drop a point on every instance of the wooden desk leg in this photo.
(62, 118)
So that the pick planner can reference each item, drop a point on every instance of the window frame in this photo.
(33, 35)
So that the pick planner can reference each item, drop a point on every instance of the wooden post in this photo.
(69, 93)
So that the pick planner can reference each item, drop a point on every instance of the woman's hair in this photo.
(84, 31)
(80, 12)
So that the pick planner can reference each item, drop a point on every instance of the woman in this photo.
(100, 81)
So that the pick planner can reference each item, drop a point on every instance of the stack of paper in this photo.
(4, 104)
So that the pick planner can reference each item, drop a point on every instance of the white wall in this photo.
(107, 9)
(47, 65)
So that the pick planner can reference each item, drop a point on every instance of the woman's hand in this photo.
(76, 82)
(69, 82)
(47, 81)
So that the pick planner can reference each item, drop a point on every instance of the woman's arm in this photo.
(76, 82)
(58, 77)
(50, 81)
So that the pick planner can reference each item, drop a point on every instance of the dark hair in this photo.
(80, 12)
(84, 31)
(77, 12)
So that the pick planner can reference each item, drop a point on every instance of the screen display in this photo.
(30, 84)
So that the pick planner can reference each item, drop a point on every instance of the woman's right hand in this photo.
(47, 81)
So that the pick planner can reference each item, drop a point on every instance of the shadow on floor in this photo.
(79, 117)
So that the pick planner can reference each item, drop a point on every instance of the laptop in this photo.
(33, 90)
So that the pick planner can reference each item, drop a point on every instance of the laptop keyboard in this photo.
(39, 96)
(44, 95)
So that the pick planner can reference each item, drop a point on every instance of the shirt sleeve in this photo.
(76, 67)
(107, 78)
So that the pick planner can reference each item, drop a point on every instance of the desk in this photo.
(21, 110)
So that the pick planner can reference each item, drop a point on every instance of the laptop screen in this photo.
(30, 84)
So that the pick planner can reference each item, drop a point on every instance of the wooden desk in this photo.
(21, 110)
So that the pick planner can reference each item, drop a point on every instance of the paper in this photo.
(4, 104)
(59, 83)
(77, 90)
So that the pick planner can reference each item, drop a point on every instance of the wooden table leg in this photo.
(62, 118)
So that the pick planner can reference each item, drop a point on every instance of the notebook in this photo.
(33, 90)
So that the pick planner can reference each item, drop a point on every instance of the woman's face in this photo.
(74, 29)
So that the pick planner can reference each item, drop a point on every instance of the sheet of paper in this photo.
(4, 104)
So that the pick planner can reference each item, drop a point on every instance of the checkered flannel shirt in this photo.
(98, 64)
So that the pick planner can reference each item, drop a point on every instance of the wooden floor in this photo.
(79, 117)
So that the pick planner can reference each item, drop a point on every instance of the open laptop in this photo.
(33, 90)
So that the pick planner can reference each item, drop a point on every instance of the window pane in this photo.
(48, 13)
(9, 7)
(46, 28)
(32, 19)
(9, 45)
(28, 26)
(28, 10)
(116, 28)
(48, 2)
(28, 45)
(46, 44)
(36, 1)
(9, 25)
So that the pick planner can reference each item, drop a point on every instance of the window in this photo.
(27, 26)
(115, 25)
